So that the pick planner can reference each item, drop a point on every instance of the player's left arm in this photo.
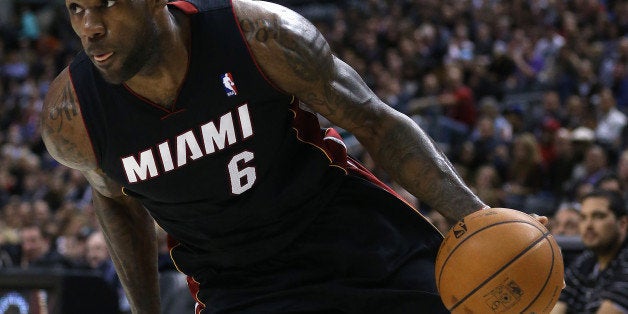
(296, 57)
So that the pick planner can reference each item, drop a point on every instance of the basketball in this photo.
(499, 260)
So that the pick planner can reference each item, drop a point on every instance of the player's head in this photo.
(603, 221)
(120, 36)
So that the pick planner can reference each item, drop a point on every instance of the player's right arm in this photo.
(127, 226)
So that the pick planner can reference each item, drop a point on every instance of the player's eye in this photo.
(75, 9)
(109, 4)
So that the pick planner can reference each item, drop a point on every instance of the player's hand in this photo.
(542, 219)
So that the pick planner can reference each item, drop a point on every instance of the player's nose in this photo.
(93, 26)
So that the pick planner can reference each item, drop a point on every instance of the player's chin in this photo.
(113, 76)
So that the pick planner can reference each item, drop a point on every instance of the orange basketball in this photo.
(499, 260)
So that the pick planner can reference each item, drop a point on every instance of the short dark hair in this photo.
(615, 200)
(611, 176)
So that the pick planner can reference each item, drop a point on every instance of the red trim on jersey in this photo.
(171, 242)
(172, 113)
(144, 99)
(356, 167)
(308, 130)
(89, 137)
(184, 6)
(193, 285)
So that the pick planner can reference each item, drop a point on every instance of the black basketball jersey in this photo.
(235, 170)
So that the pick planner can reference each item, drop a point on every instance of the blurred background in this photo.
(528, 98)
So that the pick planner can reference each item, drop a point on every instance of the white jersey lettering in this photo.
(166, 156)
(185, 141)
(215, 136)
(140, 171)
(245, 121)
(242, 178)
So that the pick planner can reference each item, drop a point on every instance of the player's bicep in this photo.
(297, 58)
(289, 49)
(62, 126)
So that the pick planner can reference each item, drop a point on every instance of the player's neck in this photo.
(160, 79)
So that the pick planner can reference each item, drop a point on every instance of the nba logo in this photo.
(230, 87)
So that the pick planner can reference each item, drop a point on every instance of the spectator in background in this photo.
(588, 83)
(565, 221)
(610, 182)
(549, 109)
(620, 83)
(596, 281)
(485, 141)
(622, 171)
(427, 110)
(489, 107)
(516, 116)
(611, 122)
(546, 138)
(528, 63)
(576, 112)
(98, 259)
(73, 247)
(525, 172)
(37, 250)
(487, 185)
(564, 225)
(458, 99)
(593, 167)
(561, 166)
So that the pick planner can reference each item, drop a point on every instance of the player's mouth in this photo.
(101, 58)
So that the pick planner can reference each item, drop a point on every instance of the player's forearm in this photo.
(131, 239)
(412, 159)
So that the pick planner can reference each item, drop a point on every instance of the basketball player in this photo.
(201, 116)
(597, 279)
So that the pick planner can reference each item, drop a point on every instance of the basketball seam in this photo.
(533, 244)
(440, 273)
(549, 275)
(544, 235)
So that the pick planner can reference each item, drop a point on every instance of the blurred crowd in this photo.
(528, 99)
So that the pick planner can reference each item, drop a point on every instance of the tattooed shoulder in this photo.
(63, 130)
(287, 43)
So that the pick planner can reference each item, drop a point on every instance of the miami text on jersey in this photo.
(175, 153)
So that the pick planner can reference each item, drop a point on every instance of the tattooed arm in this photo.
(296, 57)
(127, 227)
